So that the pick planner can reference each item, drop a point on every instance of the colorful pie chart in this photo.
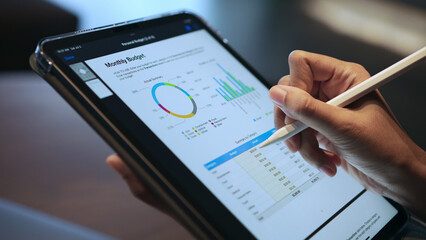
(169, 85)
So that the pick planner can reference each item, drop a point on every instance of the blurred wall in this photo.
(23, 24)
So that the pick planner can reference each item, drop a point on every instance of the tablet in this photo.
(187, 114)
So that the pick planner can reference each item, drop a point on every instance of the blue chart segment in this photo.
(154, 96)
(237, 151)
(230, 87)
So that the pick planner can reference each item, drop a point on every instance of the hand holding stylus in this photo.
(355, 93)
(364, 139)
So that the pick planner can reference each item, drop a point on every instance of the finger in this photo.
(325, 143)
(336, 159)
(279, 117)
(329, 120)
(308, 69)
(329, 149)
(310, 151)
(284, 80)
(294, 142)
(137, 188)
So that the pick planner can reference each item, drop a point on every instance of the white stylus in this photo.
(354, 93)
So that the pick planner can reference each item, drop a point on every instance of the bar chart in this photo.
(230, 87)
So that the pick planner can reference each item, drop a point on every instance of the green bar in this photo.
(238, 82)
(229, 89)
(242, 86)
(226, 97)
(224, 94)
(235, 92)
(247, 89)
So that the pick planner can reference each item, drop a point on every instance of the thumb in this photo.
(300, 105)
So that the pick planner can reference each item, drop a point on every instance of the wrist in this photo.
(410, 191)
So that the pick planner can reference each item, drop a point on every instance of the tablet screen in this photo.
(212, 113)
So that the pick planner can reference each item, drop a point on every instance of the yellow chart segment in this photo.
(194, 106)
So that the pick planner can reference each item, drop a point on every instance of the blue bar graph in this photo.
(231, 88)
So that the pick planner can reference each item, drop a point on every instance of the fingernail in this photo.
(277, 95)
(327, 170)
(288, 120)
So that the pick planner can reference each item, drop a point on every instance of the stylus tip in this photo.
(264, 144)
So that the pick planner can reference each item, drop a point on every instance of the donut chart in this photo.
(162, 84)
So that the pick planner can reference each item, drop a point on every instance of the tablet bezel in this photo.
(151, 151)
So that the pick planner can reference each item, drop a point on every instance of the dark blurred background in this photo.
(52, 161)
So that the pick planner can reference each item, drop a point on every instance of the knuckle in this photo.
(297, 56)
(356, 72)
(358, 67)
(284, 80)
(309, 157)
(305, 106)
